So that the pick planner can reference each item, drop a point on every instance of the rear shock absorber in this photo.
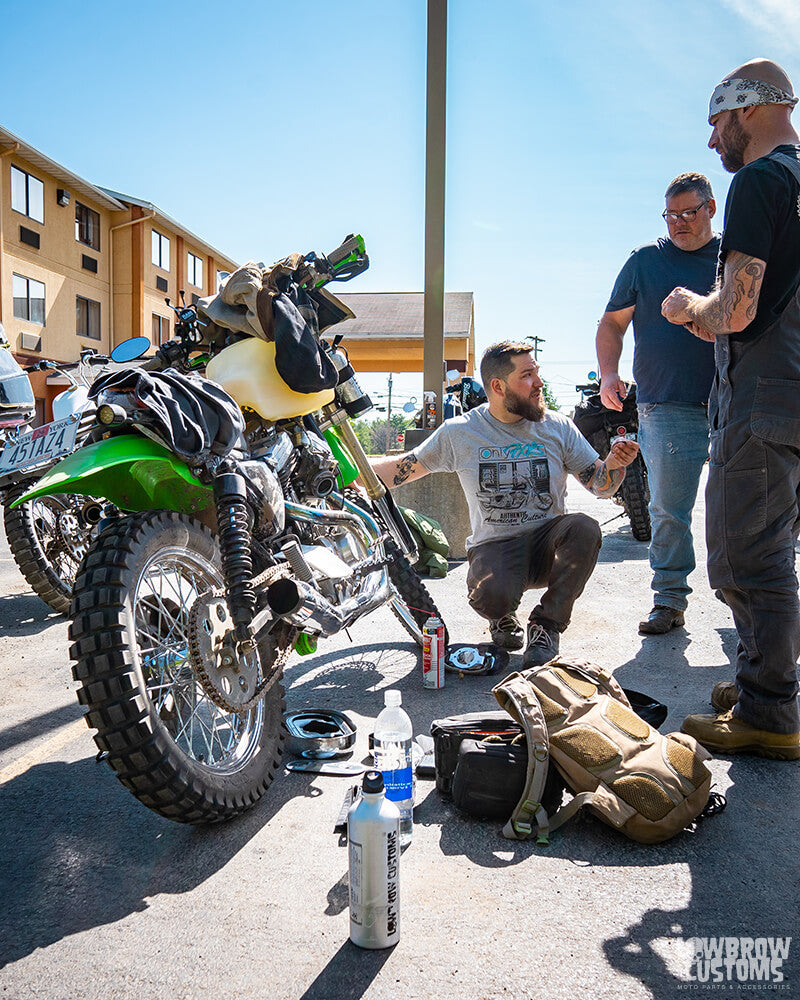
(233, 524)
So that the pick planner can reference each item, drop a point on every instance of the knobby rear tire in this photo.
(146, 703)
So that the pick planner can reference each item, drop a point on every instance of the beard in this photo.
(734, 145)
(523, 406)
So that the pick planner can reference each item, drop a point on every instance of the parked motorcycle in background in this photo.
(49, 536)
(188, 605)
(600, 426)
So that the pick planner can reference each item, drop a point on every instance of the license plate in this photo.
(41, 445)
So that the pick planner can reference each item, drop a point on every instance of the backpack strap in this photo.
(787, 161)
(611, 806)
(519, 699)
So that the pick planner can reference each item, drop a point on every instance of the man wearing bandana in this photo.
(672, 399)
(753, 318)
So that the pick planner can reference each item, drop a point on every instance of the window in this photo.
(27, 194)
(87, 319)
(160, 250)
(87, 226)
(160, 329)
(28, 299)
(195, 270)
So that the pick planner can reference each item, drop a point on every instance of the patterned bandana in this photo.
(737, 93)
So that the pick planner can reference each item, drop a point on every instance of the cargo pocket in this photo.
(745, 488)
(776, 411)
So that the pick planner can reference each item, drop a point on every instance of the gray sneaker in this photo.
(542, 645)
(507, 632)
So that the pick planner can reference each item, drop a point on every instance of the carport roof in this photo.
(393, 315)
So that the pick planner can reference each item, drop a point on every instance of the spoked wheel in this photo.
(413, 605)
(158, 712)
(49, 538)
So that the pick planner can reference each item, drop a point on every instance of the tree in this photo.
(550, 400)
(372, 433)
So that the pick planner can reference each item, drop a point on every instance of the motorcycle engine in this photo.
(314, 474)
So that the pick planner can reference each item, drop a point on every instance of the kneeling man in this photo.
(512, 456)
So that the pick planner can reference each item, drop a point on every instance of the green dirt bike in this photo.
(191, 600)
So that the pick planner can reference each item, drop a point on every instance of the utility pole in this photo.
(389, 415)
(433, 309)
(536, 342)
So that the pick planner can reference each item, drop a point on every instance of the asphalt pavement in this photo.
(102, 898)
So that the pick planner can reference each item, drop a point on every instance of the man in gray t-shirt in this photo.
(512, 457)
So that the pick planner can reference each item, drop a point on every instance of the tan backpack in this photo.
(647, 785)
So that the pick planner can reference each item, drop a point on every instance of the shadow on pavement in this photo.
(738, 889)
(80, 852)
(25, 614)
(40, 724)
(349, 974)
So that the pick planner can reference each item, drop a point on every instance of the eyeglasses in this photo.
(688, 216)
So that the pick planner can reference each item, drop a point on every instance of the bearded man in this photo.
(512, 456)
(753, 318)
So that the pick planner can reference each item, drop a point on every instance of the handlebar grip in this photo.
(350, 245)
(97, 360)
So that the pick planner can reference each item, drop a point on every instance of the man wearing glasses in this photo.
(753, 318)
(673, 372)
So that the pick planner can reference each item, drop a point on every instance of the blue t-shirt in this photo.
(670, 365)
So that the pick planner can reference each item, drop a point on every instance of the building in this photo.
(83, 266)
(387, 333)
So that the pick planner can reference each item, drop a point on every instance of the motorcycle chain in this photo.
(198, 639)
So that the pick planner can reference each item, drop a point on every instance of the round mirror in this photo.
(454, 373)
(592, 376)
(409, 407)
(130, 350)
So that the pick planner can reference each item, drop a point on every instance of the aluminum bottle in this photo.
(373, 839)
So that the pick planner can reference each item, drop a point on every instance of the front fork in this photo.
(376, 491)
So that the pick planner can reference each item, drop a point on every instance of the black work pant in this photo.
(751, 526)
(558, 555)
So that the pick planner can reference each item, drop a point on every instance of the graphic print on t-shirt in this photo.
(514, 483)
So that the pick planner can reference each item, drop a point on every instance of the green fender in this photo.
(131, 471)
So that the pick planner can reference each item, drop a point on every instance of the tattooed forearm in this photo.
(404, 468)
(733, 305)
(601, 480)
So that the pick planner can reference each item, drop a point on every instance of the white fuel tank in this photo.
(246, 370)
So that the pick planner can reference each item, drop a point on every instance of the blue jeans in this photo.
(674, 442)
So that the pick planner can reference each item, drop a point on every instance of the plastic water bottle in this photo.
(373, 839)
(393, 758)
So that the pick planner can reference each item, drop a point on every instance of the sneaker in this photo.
(727, 734)
(542, 645)
(507, 632)
(661, 620)
(724, 696)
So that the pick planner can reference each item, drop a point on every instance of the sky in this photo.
(268, 127)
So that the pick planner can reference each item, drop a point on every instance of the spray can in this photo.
(373, 839)
(433, 653)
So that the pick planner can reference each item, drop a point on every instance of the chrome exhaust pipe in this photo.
(304, 607)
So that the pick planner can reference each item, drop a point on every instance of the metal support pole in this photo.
(389, 415)
(433, 318)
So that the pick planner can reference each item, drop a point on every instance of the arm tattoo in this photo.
(404, 468)
(736, 296)
(601, 480)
